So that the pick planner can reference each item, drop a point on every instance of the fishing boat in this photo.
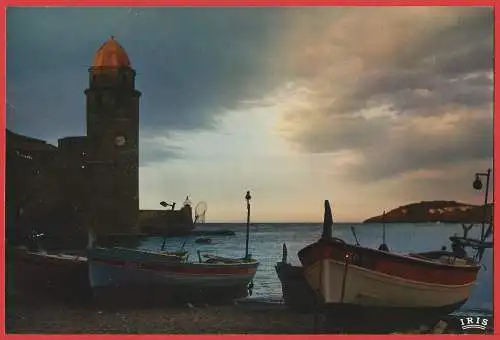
(147, 276)
(355, 281)
(477, 243)
(297, 294)
(166, 275)
(63, 275)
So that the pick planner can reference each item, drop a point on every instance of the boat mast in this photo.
(247, 198)
(327, 222)
(383, 229)
(383, 246)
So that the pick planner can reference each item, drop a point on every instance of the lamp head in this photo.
(247, 196)
(478, 185)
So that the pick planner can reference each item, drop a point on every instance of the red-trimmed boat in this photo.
(353, 279)
(142, 276)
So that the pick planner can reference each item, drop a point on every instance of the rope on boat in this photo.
(347, 259)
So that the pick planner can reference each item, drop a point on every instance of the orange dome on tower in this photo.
(111, 54)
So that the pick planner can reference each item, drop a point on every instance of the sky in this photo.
(370, 108)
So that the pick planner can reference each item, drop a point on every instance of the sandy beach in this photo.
(28, 314)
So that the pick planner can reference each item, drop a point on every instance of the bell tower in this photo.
(113, 141)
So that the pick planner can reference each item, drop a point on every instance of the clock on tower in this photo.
(120, 140)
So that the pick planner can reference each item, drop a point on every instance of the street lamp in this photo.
(478, 185)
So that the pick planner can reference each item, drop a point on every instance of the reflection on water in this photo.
(266, 245)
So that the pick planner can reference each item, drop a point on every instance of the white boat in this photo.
(354, 278)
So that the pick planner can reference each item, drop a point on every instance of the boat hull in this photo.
(368, 287)
(104, 274)
(297, 294)
(169, 280)
(339, 282)
(55, 275)
(348, 274)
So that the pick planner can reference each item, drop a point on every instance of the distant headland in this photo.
(435, 211)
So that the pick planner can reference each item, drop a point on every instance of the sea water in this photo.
(266, 244)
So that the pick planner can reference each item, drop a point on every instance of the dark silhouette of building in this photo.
(167, 222)
(92, 181)
(31, 186)
(88, 180)
(72, 156)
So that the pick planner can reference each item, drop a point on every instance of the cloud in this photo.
(446, 182)
(394, 88)
(399, 88)
(155, 150)
(193, 64)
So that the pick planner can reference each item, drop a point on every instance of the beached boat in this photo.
(166, 275)
(169, 275)
(354, 279)
(297, 294)
(61, 274)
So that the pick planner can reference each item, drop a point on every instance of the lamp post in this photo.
(247, 198)
(478, 185)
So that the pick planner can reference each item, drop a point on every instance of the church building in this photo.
(97, 175)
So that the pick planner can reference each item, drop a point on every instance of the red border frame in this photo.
(130, 3)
